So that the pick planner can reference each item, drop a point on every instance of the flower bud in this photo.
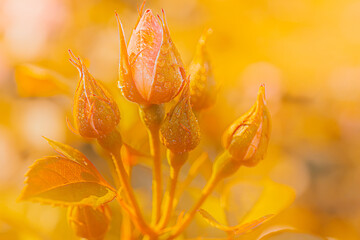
(151, 70)
(95, 111)
(247, 138)
(203, 89)
(180, 131)
(88, 222)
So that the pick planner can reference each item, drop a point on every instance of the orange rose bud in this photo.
(95, 111)
(88, 222)
(203, 89)
(180, 131)
(151, 70)
(248, 137)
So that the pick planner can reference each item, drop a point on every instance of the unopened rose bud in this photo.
(88, 222)
(248, 137)
(151, 70)
(203, 89)
(180, 131)
(95, 111)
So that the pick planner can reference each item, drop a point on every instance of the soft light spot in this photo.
(38, 118)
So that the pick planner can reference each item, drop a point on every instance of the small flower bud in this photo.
(88, 222)
(247, 138)
(151, 70)
(203, 89)
(95, 111)
(180, 131)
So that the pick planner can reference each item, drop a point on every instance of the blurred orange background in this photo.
(307, 52)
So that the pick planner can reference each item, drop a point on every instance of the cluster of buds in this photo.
(151, 73)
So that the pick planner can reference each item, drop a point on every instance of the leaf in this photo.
(34, 81)
(274, 198)
(70, 179)
(70, 153)
(238, 229)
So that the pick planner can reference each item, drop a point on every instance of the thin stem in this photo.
(189, 217)
(125, 226)
(124, 179)
(157, 174)
(176, 161)
(113, 172)
(174, 175)
(152, 116)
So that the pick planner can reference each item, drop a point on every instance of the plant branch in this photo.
(152, 116)
(176, 161)
(157, 174)
(124, 179)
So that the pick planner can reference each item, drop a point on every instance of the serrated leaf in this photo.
(61, 181)
(34, 81)
(70, 153)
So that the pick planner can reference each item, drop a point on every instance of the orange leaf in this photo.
(71, 153)
(70, 179)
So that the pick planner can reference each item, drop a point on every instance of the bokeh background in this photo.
(307, 52)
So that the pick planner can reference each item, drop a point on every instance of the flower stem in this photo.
(124, 179)
(170, 198)
(157, 175)
(126, 226)
(152, 116)
(176, 161)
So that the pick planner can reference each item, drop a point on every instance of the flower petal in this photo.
(143, 50)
